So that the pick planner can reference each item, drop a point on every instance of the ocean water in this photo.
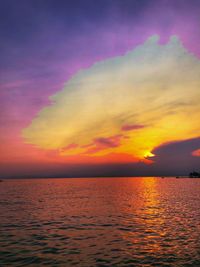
(100, 222)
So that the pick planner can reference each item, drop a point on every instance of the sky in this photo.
(99, 88)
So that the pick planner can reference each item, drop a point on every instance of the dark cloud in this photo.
(177, 148)
(177, 157)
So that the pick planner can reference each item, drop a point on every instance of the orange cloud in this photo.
(196, 153)
(69, 147)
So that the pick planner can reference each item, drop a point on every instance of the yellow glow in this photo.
(148, 154)
(153, 86)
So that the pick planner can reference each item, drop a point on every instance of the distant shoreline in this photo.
(94, 177)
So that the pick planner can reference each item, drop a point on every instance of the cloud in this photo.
(177, 156)
(102, 143)
(131, 127)
(185, 147)
(69, 147)
(112, 141)
(155, 85)
(196, 153)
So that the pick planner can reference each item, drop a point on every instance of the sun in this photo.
(148, 154)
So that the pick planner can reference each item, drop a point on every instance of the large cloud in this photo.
(177, 157)
(154, 87)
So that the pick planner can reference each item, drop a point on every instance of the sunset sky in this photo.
(99, 88)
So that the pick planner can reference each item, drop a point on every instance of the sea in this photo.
(139, 221)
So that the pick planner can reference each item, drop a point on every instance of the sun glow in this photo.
(148, 154)
(122, 108)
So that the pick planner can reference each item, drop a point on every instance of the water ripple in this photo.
(100, 222)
